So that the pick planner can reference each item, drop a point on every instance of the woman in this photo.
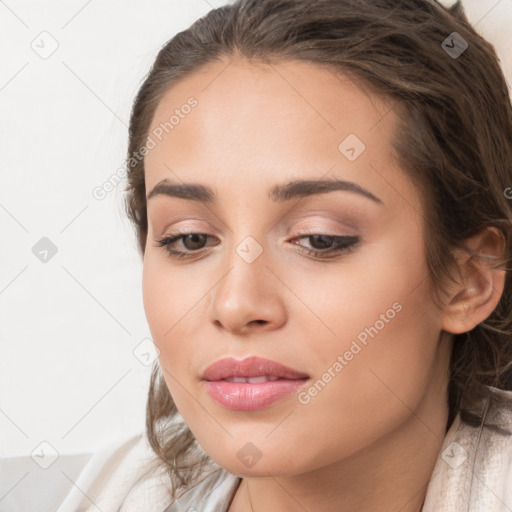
(319, 191)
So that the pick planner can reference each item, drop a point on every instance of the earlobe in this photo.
(480, 285)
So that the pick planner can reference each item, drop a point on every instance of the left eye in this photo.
(330, 244)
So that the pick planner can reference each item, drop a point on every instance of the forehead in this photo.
(278, 121)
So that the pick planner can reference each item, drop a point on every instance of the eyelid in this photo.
(323, 223)
(326, 230)
(181, 228)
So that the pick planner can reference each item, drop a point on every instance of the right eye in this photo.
(192, 242)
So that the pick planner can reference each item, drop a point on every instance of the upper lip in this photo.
(249, 367)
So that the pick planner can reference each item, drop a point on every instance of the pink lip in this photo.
(249, 367)
(246, 396)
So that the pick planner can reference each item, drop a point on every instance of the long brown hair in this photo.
(454, 141)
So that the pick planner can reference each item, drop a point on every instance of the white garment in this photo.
(473, 473)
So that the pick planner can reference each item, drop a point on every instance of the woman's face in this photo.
(358, 322)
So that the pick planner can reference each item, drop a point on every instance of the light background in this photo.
(71, 326)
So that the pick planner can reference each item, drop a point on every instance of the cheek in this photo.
(373, 294)
(170, 305)
(157, 297)
(378, 295)
(171, 294)
(377, 384)
(382, 347)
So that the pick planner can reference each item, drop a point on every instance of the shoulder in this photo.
(120, 477)
(128, 477)
(492, 466)
(474, 467)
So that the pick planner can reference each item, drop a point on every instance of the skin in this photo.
(369, 440)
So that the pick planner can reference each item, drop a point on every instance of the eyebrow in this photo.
(278, 193)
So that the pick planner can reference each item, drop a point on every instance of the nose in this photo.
(248, 297)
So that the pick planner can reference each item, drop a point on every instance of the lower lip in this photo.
(244, 396)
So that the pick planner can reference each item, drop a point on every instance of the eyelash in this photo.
(346, 244)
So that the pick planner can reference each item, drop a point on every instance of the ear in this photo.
(479, 288)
